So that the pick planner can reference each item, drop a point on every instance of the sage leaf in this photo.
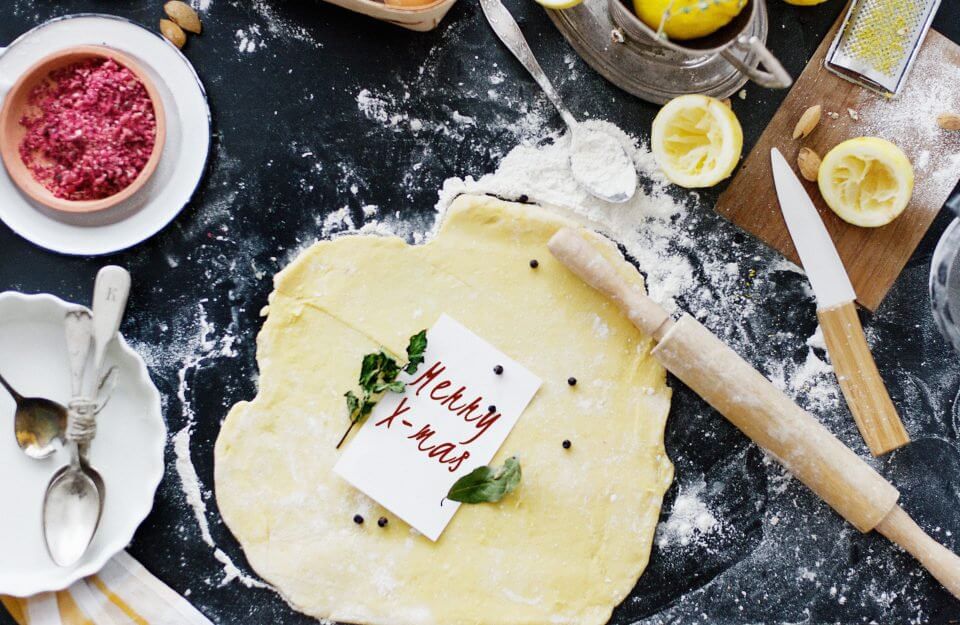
(415, 351)
(378, 374)
(396, 386)
(353, 404)
(370, 369)
(486, 484)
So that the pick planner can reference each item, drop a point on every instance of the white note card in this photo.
(453, 416)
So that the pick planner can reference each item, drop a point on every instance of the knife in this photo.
(853, 363)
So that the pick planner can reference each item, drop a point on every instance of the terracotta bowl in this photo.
(15, 105)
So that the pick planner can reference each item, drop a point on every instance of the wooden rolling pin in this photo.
(771, 419)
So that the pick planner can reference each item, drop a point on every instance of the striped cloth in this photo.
(122, 593)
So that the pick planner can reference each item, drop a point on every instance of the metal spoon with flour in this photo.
(598, 160)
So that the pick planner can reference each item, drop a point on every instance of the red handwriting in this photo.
(468, 411)
(440, 451)
(454, 399)
(399, 410)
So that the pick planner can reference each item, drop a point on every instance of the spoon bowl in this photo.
(39, 424)
(601, 165)
(71, 511)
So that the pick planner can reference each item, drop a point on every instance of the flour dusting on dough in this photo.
(540, 172)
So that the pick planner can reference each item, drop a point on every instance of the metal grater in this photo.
(878, 41)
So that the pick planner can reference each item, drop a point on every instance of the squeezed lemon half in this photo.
(696, 141)
(866, 181)
(687, 19)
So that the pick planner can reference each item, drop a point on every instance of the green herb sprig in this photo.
(378, 375)
(487, 484)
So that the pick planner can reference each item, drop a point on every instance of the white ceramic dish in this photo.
(182, 163)
(128, 449)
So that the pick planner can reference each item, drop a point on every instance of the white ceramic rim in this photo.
(136, 511)
(182, 166)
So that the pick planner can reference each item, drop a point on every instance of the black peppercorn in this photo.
(498, 369)
(358, 519)
(491, 408)
(572, 381)
(523, 199)
(566, 444)
(534, 263)
(382, 521)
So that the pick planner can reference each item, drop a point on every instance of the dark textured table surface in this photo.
(291, 146)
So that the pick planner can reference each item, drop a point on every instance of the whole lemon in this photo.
(687, 19)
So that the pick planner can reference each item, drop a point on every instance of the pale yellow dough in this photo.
(566, 547)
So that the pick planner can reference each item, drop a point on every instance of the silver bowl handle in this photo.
(775, 77)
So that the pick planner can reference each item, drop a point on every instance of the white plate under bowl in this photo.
(128, 449)
(182, 163)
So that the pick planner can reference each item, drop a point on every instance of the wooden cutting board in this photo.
(873, 257)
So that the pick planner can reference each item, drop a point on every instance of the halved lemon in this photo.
(804, 3)
(696, 141)
(558, 5)
(866, 181)
(687, 19)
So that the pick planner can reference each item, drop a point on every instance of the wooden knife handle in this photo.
(942, 563)
(860, 381)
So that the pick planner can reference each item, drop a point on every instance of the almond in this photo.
(808, 121)
(173, 33)
(949, 121)
(183, 16)
(809, 163)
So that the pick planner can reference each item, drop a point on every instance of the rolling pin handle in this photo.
(942, 563)
(588, 263)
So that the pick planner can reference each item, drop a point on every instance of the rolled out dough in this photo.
(566, 547)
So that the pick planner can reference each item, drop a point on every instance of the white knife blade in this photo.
(818, 254)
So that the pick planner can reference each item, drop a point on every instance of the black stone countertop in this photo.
(291, 146)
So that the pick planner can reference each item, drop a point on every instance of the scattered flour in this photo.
(190, 483)
(249, 40)
(201, 349)
(690, 520)
(541, 172)
(930, 91)
(816, 339)
(337, 221)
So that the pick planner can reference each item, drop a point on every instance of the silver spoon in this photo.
(598, 160)
(74, 500)
(38, 423)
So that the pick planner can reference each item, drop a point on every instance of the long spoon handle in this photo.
(16, 396)
(110, 293)
(78, 329)
(509, 33)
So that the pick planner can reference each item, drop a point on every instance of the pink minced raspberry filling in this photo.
(90, 132)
